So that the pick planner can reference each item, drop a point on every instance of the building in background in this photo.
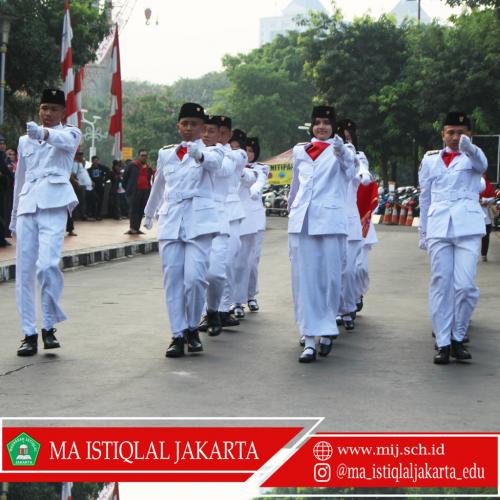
(408, 9)
(270, 27)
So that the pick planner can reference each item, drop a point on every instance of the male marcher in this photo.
(137, 179)
(43, 197)
(253, 152)
(188, 219)
(6, 186)
(451, 228)
(100, 175)
(83, 183)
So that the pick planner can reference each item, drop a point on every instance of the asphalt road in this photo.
(378, 378)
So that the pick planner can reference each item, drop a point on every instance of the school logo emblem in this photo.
(23, 451)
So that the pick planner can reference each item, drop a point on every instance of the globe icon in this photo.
(323, 451)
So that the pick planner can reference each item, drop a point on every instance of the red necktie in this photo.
(181, 152)
(316, 148)
(448, 157)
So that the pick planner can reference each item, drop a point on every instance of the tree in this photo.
(474, 4)
(269, 95)
(52, 491)
(35, 46)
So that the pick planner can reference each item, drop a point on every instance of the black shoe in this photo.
(176, 348)
(49, 339)
(324, 349)
(29, 346)
(203, 326)
(193, 341)
(228, 320)
(348, 324)
(308, 355)
(252, 305)
(458, 351)
(353, 315)
(442, 356)
(72, 233)
(466, 339)
(359, 305)
(5, 243)
(339, 320)
(214, 324)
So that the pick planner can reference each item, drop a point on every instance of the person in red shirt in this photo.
(137, 179)
(487, 200)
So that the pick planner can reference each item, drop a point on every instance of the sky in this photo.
(192, 36)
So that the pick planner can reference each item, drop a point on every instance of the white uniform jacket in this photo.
(183, 193)
(43, 171)
(451, 194)
(318, 191)
(250, 224)
(233, 202)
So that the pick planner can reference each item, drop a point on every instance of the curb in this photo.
(89, 256)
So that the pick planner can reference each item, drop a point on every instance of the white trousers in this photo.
(217, 276)
(234, 245)
(349, 294)
(453, 294)
(317, 263)
(185, 267)
(39, 241)
(253, 282)
(242, 266)
(362, 271)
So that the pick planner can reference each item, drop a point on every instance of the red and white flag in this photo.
(115, 123)
(66, 491)
(67, 69)
(80, 75)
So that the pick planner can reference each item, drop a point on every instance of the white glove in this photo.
(35, 131)
(148, 223)
(12, 226)
(254, 193)
(365, 177)
(338, 145)
(466, 146)
(422, 242)
(194, 151)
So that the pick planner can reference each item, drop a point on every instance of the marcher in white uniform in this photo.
(350, 294)
(253, 152)
(248, 228)
(219, 254)
(183, 197)
(236, 215)
(367, 202)
(317, 230)
(451, 227)
(43, 199)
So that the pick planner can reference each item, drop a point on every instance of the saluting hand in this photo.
(35, 131)
(338, 145)
(465, 145)
(194, 151)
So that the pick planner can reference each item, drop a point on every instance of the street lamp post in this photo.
(5, 21)
(92, 133)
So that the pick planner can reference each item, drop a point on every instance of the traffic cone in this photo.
(387, 214)
(409, 217)
(395, 218)
(402, 215)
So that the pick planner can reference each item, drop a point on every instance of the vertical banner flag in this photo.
(66, 491)
(115, 123)
(78, 94)
(67, 69)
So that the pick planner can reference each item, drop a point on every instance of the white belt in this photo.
(180, 196)
(454, 195)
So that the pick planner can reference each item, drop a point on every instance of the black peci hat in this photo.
(225, 121)
(53, 96)
(457, 118)
(240, 137)
(350, 126)
(191, 110)
(253, 142)
(212, 120)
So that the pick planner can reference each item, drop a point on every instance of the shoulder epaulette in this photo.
(434, 152)
(301, 143)
(169, 146)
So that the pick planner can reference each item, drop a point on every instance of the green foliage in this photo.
(52, 491)
(33, 57)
